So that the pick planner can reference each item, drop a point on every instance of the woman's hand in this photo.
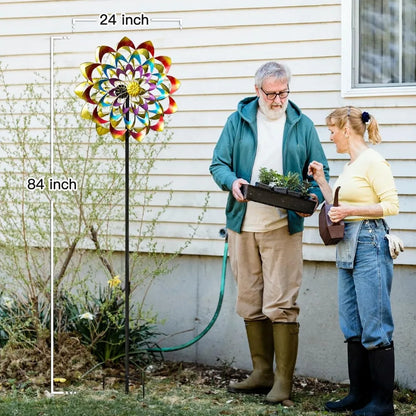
(337, 214)
(316, 170)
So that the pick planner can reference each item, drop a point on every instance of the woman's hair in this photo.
(271, 70)
(359, 121)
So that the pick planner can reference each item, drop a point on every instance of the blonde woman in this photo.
(365, 266)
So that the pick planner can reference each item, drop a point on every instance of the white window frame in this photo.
(347, 61)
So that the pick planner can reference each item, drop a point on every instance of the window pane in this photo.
(409, 41)
(379, 46)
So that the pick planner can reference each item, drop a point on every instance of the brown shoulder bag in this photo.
(330, 232)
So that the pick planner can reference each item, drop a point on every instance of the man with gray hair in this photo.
(265, 242)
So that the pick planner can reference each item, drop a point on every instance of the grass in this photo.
(179, 389)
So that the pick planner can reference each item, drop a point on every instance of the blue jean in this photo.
(364, 290)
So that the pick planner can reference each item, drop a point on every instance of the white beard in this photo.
(272, 113)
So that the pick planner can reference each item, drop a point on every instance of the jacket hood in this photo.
(248, 107)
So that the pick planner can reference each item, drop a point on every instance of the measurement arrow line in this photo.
(51, 115)
(75, 21)
(51, 92)
(168, 20)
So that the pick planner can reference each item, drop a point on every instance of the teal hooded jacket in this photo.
(235, 152)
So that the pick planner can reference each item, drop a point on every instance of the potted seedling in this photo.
(284, 191)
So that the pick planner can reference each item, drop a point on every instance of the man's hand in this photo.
(315, 198)
(236, 189)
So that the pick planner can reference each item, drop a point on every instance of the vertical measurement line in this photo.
(51, 98)
(52, 294)
(51, 243)
(51, 103)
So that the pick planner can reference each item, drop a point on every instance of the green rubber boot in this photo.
(285, 337)
(260, 341)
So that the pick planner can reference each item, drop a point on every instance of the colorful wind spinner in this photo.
(127, 90)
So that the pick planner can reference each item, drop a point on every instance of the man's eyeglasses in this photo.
(272, 95)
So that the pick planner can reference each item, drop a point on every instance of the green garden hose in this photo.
(223, 233)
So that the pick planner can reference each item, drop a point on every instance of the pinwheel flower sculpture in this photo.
(127, 93)
(127, 90)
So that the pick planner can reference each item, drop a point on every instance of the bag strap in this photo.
(335, 204)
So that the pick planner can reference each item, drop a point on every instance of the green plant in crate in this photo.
(291, 181)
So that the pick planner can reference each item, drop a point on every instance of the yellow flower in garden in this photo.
(114, 282)
(59, 380)
(127, 90)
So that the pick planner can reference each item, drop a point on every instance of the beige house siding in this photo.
(215, 55)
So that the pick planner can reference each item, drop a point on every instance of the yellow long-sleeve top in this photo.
(368, 180)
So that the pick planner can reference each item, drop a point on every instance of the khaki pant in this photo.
(268, 270)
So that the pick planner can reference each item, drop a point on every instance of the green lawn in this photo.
(179, 390)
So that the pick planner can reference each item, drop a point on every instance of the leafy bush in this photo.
(22, 321)
(99, 322)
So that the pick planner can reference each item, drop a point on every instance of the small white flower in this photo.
(7, 302)
(87, 315)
